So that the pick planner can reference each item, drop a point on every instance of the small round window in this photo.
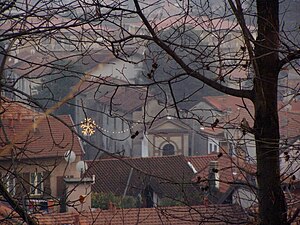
(168, 149)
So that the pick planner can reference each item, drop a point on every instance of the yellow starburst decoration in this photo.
(88, 127)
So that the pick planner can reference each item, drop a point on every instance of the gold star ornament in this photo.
(88, 127)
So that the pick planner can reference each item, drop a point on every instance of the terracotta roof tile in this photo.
(61, 218)
(14, 110)
(289, 124)
(211, 214)
(7, 214)
(199, 23)
(233, 106)
(36, 135)
(35, 22)
(125, 99)
(229, 168)
(165, 175)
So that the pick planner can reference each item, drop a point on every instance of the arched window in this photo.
(168, 149)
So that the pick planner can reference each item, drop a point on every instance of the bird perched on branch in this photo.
(214, 124)
(134, 135)
(246, 127)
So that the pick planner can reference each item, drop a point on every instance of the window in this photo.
(210, 147)
(122, 125)
(213, 145)
(10, 184)
(115, 123)
(36, 183)
(231, 149)
(168, 149)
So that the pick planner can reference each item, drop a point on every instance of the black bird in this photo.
(214, 124)
(134, 135)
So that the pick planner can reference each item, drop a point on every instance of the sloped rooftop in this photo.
(29, 134)
(177, 215)
(168, 176)
(126, 99)
(234, 109)
(230, 169)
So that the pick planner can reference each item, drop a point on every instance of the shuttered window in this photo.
(36, 183)
(9, 181)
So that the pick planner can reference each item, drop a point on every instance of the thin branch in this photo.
(290, 57)
(227, 90)
(14, 204)
(295, 215)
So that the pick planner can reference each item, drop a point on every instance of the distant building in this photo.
(33, 153)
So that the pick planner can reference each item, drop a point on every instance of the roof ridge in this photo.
(136, 158)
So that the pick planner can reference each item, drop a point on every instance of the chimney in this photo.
(213, 175)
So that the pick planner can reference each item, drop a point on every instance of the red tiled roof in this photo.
(7, 214)
(227, 102)
(57, 21)
(230, 169)
(35, 135)
(233, 106)
(201, 162)
(214, 214)
(106, 90)
(294, 105)
(199, 23)
(164, 174)
(214, 132)
(61, 218)
(124, 98)
(14, 110)
(5, 210)
(177, 215)
(289, 124)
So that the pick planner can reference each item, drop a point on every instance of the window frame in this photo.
(9, 181)
(213, 145)
(36, 183)
(168, 149)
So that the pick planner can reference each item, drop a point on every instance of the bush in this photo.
(101, 200)
(170, 202)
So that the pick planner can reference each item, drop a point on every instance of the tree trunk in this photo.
(272, 206)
